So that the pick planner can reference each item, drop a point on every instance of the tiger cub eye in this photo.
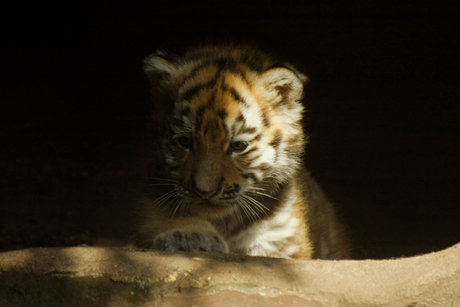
(185, 141)
(238, 146)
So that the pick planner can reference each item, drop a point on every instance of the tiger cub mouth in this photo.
(221, 196)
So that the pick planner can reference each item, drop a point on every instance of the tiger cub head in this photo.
(229, 125)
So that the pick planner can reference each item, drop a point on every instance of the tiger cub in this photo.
(228, 174)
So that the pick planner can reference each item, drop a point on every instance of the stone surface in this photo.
(93, 276)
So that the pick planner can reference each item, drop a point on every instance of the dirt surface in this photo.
(383, 114)
(94, 276)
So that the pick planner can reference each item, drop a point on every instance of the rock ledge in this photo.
(97, 276)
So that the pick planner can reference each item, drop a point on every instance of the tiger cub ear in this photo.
(160, 66)
(281, 85)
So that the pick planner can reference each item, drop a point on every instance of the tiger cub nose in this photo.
(205, 194)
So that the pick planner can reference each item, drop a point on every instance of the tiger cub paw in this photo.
(189, 242)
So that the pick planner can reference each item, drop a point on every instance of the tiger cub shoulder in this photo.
(228, 174)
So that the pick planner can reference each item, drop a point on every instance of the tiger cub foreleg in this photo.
(182, 234)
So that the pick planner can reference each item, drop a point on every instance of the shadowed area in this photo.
(383, 109)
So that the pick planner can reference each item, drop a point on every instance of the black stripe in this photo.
(196, 69)
(191, 92)
(283, 91)
(276, 142)
(249, 151)
(237, 96)
(233, 92)
(245, 129)
(228, 64)
(222, 113)
(253, 158)
(225, 62)
(238, 72)
(240, 117)
(257, 137)
(276, 139)
(202, 109)
(265, 120)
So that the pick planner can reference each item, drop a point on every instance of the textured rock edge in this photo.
(97, 276)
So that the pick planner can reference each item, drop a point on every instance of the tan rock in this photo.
(96, 276)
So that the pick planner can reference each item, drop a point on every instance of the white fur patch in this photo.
(263, 238)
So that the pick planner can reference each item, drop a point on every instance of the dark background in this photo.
(383, 113)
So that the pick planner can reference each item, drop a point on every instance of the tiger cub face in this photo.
(229, 125)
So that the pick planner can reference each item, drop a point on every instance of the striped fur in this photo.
(228, 175)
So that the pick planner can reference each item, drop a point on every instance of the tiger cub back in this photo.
(228, 174)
